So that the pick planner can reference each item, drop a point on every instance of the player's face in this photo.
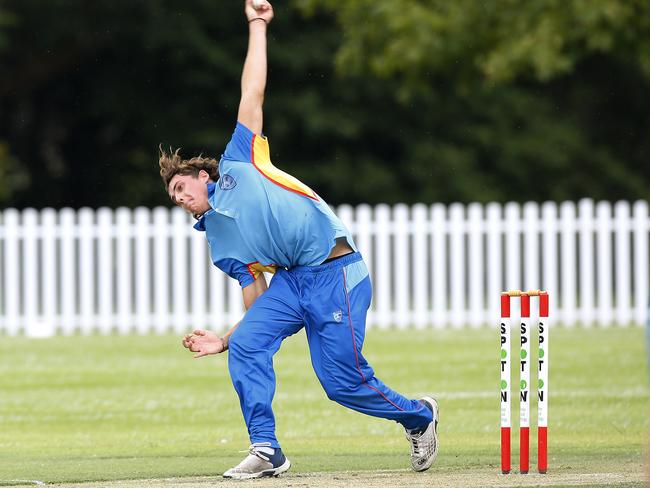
(190, 192)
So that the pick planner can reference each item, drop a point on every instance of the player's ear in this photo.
(204, 176)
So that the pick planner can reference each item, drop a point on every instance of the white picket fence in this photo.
(148, 271)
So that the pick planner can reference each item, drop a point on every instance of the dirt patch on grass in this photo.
(383, 479)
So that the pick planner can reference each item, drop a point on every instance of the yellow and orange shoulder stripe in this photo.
(261, 159)
(256, 268)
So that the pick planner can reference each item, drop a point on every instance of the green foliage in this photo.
(381, 101)
(497, 41)
(13, 177)
(6, 20)
(515, 100)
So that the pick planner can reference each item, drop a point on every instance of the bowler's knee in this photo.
(245, 345)
(337, 393)
(238, 346)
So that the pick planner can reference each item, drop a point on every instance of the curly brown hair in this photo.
(172, 164)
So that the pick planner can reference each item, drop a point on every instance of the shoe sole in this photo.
(267, 473)
(434, 407)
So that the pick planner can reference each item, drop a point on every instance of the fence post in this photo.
(124, 274)
(383, 270)
(419, 267)
(12, 272)
(549, 254)
(105, 261)
(494, 226)
(513, 252)
(401, 269)
(198, 272)
(586, 261)
(68, 271)
(457, 264)
(475, 267)
(217, 304)
(86, 270)
(568, 269)
(641, 270)
(142, 270)
(363, 219)
(179, 269)
(439, 265)
(604, 270)
(161, 268)
(49, 288)
(30, 265)
(622, 263)
(531, 246)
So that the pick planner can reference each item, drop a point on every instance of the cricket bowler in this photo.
(259, 219)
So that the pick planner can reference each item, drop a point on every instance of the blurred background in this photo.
(368, 101)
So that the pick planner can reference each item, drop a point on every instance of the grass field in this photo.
(104, 409)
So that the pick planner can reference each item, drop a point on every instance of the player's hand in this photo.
(203, 343)
(265, 11)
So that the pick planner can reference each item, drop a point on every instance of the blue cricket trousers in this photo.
(330, 301)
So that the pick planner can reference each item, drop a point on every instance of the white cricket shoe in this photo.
(424, 444)
(259, 463)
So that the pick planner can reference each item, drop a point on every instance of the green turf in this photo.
(106, 408)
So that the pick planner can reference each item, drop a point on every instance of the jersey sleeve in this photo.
(237, 270)
(246, 146)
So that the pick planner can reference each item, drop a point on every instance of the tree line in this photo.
(367, 101)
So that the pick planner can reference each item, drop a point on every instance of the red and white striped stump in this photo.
(524, 381)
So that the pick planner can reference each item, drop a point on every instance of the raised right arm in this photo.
(253, 80)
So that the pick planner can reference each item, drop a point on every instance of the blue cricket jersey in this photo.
(261, 218)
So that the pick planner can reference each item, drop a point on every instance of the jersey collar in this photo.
(200, 224)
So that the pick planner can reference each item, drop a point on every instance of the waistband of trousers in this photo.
(335, 264)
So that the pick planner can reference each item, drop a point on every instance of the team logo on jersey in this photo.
(337, 316)
(227, 182)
